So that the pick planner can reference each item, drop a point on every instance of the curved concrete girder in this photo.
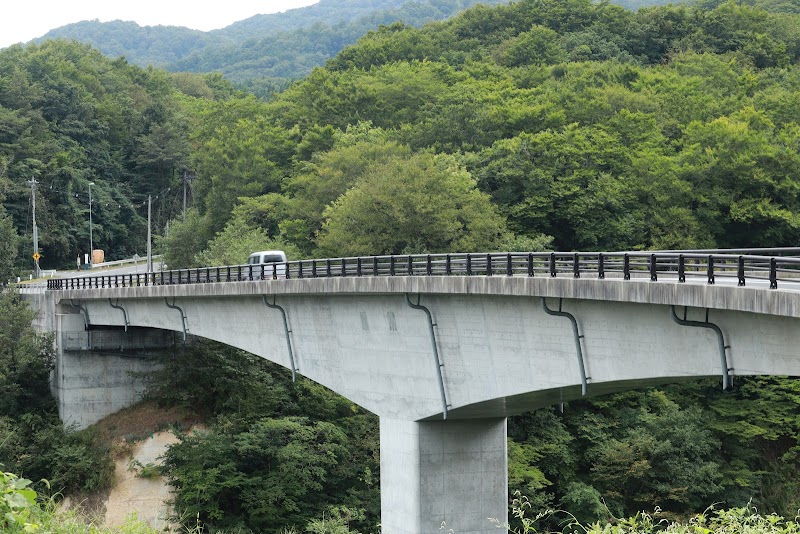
(505, 355)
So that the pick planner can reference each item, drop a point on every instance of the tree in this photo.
(184, 240)
(8, 246)
(425, 203)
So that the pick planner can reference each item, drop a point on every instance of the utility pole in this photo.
(187, 178)
(36, 255)
(91, 242)
(149, 234)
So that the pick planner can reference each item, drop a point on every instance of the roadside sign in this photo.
(36, 256)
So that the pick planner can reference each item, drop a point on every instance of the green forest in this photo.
(538, 125)
(263, 53)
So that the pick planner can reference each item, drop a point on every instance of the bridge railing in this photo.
(673, 265)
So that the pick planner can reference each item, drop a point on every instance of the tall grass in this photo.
(22, 511)
(744, 520)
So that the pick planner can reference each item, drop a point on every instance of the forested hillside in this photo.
(265, 52)
(541, 124)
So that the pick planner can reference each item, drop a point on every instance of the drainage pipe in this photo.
(288, 333)
(437, 360)
(723, 357)
(576, 335)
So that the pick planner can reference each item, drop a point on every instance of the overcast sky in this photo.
(23, 20)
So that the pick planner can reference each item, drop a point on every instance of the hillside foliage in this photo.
(263, 53)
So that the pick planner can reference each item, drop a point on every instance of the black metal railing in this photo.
(661, 265)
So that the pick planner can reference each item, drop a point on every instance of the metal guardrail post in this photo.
(653, 268)
(773, 273)
(626, 267)
(552, 265)
(530, 264)
(681, 269)
(740, 272)
(576, 266)
(601, 269)
(711, 278)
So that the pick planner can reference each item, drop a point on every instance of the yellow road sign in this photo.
(36, 256)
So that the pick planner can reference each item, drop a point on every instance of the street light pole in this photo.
(33, 183)
(149, 236)
(91, 242)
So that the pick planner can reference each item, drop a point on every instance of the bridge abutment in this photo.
(99, 370)
(453, 472)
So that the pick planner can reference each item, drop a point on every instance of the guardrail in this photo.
(625, 265)
(123, 262)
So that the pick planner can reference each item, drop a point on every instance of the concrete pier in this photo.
(451, 473)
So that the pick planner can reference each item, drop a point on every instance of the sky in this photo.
(23, 20)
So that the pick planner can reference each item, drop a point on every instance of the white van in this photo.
(274, 262)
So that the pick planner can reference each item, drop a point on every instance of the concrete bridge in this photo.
(443, 348)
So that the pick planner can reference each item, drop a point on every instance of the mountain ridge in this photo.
(261, 53)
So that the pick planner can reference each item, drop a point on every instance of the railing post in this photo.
(228, 273)
(576, 266)
(358, 266)
(208, 274)
(374, 265)
(299, 269)
(238, 274)
(681, 269)
(448, 269)
(711, 269)
(391, 265)
(552, 264)
(530, 264)
(328, 268)
(428, 265)
(250, 271)
(773, 273)
(410, 266)
(653, 268)
(344, 268)
(740, 271)
(601, 267)
(313, 268)
(219, 276)
(509, 265)
(626, 267)
(274, 271)
(488, 265)
(469, 264)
